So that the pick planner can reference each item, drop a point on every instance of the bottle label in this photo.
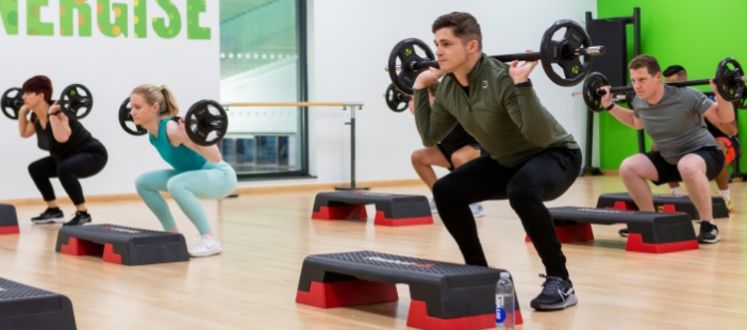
(500, 312)
(500, 315)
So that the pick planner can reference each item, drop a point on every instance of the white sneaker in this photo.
(207, 246)
(477, 210)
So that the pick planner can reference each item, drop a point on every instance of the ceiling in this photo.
(233, 8)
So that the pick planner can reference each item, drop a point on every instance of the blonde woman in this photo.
(197, 171)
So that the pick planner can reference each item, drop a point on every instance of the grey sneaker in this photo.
(556, 294)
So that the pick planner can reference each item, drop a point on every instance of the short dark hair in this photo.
(645, 61)
(674, 70)
(40, 85)
(464, 26)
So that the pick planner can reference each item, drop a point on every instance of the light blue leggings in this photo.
(213, 181)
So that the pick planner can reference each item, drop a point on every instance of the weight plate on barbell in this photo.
(125, 119)
(396, 100)
(76, 100)
(728, 80)
(11, 102)
(403, 55)
(592, 84)
(561, 53)
(206, 122)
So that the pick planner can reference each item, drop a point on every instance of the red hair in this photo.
(40, 85)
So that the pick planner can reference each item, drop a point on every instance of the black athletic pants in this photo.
(544, 177)
(82, 164)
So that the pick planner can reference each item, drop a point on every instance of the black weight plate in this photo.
(76, 100)
(403, 55)
(396, 100)
(206, 122)
(728, 80)
(593, 82)
(11, 102)
(125, 119)
(561, 52)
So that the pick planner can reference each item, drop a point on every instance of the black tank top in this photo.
(79, 139)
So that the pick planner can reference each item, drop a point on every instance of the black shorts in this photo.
(457, 139)
(713, 157)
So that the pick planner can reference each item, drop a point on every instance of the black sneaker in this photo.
(556, 294)
(708, 233)
(80, 218)
(48, 216)
(623, 232)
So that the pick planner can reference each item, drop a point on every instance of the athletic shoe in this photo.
(556, 294)
(708, 233)
(207, 246)
(48, 216)
(80, 218)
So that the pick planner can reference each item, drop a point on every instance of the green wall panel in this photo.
(696, 34)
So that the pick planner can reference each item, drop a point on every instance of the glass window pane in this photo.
(260, 62)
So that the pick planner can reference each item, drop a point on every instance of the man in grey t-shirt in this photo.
(686, 151)
(726, 139)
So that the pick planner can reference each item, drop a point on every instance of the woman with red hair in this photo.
(73, 152)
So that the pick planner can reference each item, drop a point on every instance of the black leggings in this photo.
(82, 164)
(544, 177)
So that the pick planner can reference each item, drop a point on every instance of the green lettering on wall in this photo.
(140, 19)
(194, 30)
(9, 15)
(171, 29)
(34, 24)
(111, 17)
(67, 18)
(119, 11)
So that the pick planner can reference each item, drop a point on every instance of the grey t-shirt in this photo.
(676, 123)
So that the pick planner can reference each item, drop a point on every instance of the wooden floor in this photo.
(252, 285)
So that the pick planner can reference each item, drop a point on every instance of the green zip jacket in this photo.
(508, 121)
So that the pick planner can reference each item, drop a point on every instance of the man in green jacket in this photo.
(530, 157)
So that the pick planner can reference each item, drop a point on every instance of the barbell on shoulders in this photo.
(206, 122)
(571, 53)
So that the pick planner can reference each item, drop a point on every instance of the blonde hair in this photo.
(158, 94)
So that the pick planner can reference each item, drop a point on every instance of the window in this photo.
(262, 56)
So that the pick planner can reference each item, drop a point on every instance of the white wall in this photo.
(110, 68)
(350, 41)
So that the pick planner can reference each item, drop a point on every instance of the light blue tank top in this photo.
(181, 158)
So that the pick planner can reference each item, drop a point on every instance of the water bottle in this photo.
(504, 302)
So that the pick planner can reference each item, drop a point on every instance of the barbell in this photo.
(206, 122)
(729, 79)
(411, 56)
(75, 100)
